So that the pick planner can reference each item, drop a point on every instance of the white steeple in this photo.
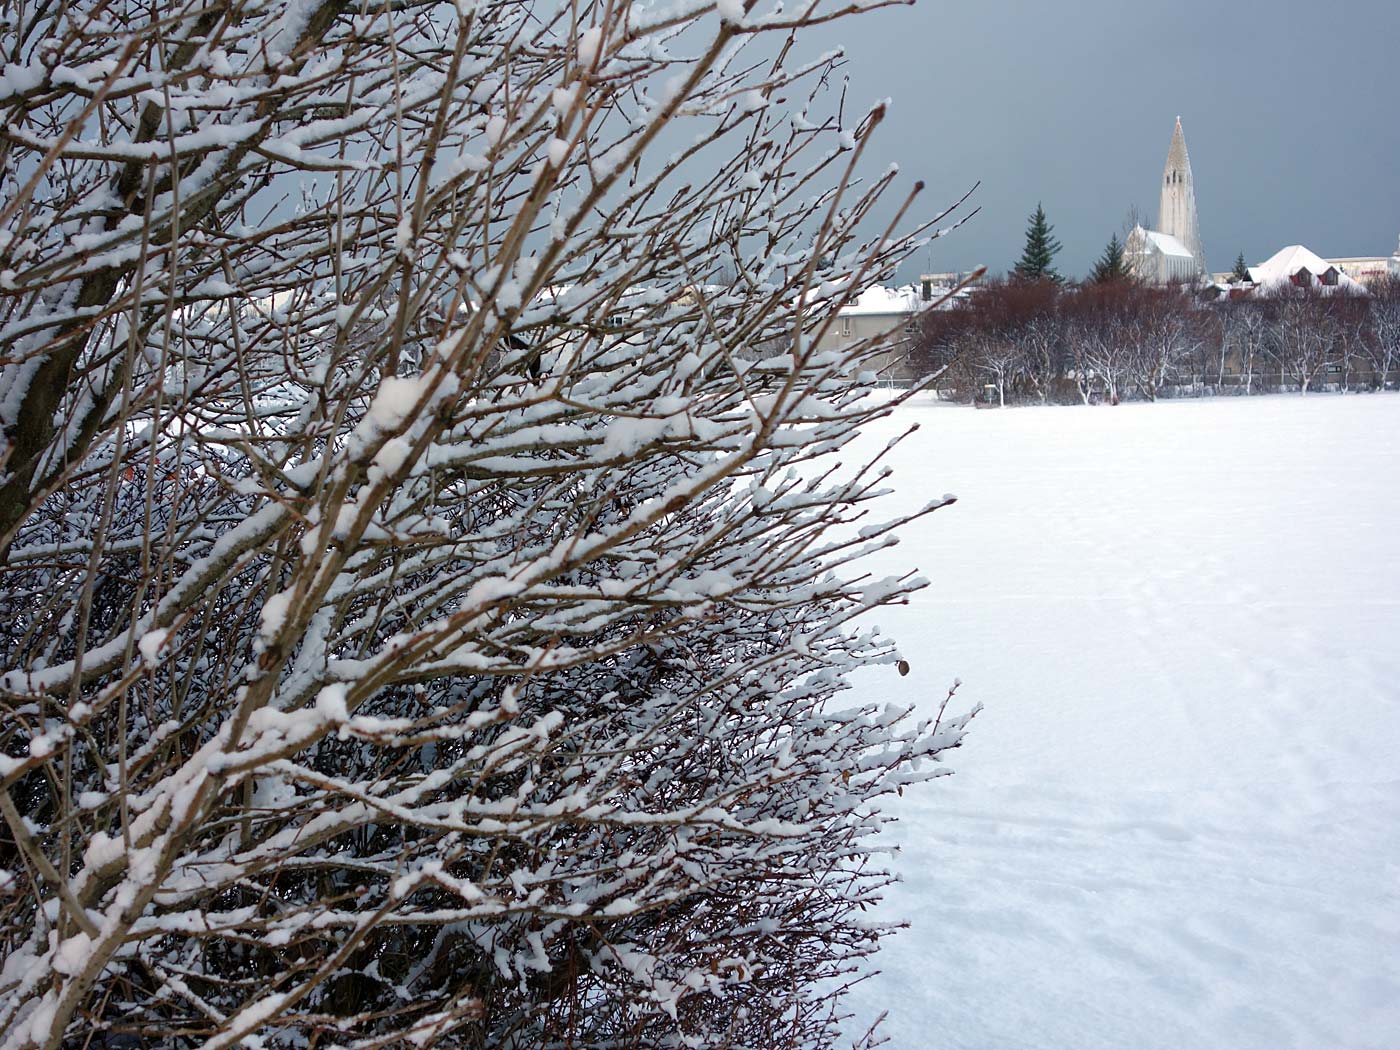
(1177, 213)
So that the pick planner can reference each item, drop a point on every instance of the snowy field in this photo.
(1177, 823)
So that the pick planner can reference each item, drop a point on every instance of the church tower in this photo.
(1177, 213)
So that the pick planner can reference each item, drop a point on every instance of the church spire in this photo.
(1177, 214)
(1178, 160)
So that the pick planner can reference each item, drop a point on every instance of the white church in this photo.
(1171, 253)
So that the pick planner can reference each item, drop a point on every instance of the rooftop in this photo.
(877, 299)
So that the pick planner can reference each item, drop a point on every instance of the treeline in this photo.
(1038, 341)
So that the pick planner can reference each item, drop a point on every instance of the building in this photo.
(1368, 268)
(879, 311)
(1172, 252)
(1160, 258)
(1296, 266)
(941, 285)
(1364, 268)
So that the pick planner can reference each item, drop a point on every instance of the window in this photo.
(846, 328)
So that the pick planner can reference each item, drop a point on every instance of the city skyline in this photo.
(1292, 135)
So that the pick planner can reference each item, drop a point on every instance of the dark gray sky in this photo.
(1291, 110)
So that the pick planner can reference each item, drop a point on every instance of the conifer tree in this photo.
(1038, 258)
(1111, 265)
(1241, 271)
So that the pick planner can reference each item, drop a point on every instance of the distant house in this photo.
(1297, 267)
(1365, 268)
(874, 312)
(1369, 268)
(955, 284)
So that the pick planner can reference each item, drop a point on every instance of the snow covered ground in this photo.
(1177, 822)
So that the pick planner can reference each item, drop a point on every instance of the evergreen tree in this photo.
(1038, 259)
(1111, 265)
(1241, 271)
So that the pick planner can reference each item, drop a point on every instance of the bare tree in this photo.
(1004, 331)
(1101, 330)
(941, 349)
(1206, 365)
(1303, 336)
(1163, 332)
(1243, 339)
(422, 614)
(1381, 344)
(999, 357)
(1045, 355)
(1351, 320)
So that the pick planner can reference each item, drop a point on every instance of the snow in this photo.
(19, 80)
(563, 99)
(271, 618)
(877, 299)
(589, 43)
(150, 644)
(394, 400)
(1167, 244)
(390, 458)
(72, 954)
(1287, 261)
(403, 235)
(731, 11)
(330, 703)
(248, 1020)
(1279, 268)
(292, 24)
(1174, 824)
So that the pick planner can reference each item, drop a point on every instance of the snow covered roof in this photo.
(1287, 261)
(1167, 244)
(1280, 268)
(877, 299)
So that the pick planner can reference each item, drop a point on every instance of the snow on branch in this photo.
(427, 584)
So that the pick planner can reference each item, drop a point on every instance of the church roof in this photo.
(1167, 244)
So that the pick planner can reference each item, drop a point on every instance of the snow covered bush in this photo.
(424, 609)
